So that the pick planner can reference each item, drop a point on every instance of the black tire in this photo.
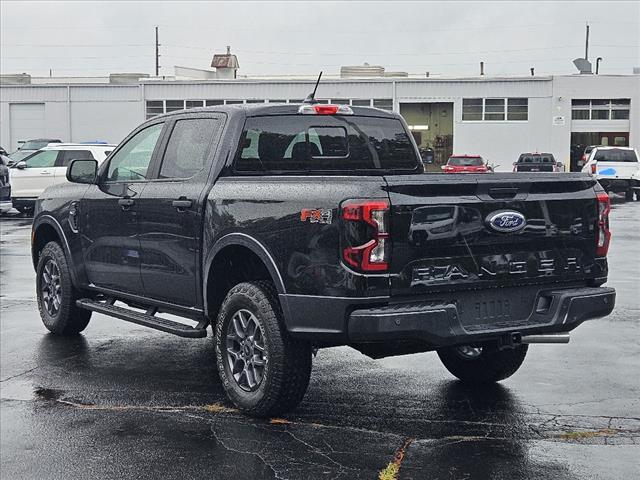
(67, 318)
(286, 361)
(628, 195)
(490, 365)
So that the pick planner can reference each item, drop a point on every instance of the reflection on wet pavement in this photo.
(121, 401)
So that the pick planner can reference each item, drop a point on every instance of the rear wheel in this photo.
(56, 294)
(482, 364)
(264, 370)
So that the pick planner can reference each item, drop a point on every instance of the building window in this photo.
(383, 103)
(173, 105)
(233, 102)
(340, 101)
(361, 103)
(277, 101)
(211, 103)
(194, 103)
(255, 101)
(518, 109)
(495, 109)
(471, 109)
(600, 109)
(296, 101)
(154, 107)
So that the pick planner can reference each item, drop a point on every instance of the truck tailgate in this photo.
(459, 231)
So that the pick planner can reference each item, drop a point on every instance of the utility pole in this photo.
(157, 53)
(586, 45)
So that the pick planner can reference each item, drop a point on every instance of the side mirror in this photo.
(82, 171)
(21, 165)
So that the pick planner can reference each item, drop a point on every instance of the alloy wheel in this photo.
(246, 353)
(51, 288)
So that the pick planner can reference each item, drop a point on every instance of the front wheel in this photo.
(482, 364)
(264, 371)
(56, 294)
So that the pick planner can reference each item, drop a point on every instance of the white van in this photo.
(614, 167)
(48, 166)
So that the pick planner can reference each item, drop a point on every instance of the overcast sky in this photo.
(271, 38)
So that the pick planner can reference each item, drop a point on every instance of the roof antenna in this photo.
(311, 98)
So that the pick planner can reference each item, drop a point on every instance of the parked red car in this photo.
(465, 164)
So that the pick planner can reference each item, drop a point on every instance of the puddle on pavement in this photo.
(47, 393)
(24, 390)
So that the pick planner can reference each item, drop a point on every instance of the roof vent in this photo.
(226, 65)
(126, 78)
(15, 79)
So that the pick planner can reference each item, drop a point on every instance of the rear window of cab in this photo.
(297, 143)
(615, 155)
(536, 159)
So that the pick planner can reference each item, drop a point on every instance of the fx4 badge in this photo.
(313, 215)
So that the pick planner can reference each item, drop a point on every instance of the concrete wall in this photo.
(76, 113)
(502, 142)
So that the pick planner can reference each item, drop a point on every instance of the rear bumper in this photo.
(439, 325)
(23, 202)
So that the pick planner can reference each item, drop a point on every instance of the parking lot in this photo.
(121, 400)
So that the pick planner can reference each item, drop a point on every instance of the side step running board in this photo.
(144, 319)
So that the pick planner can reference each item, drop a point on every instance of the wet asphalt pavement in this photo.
(122, 401)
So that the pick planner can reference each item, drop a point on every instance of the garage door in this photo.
(26, 121)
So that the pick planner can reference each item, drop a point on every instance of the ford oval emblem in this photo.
(506, 221)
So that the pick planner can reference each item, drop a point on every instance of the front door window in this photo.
(43, 159)
(131, 162)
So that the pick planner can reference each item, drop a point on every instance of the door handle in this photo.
(45, 172)
(181, 204)
(126, 203)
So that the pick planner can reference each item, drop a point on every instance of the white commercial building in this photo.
(496, 117)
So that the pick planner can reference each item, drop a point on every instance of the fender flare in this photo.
(247, 241)
(46, 219)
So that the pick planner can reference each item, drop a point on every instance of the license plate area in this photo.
(497, 308)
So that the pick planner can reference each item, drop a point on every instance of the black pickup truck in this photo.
(288, 228)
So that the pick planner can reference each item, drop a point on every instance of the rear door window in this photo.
(324, 143)
(188, 146)
(67, 155)
(615, 155)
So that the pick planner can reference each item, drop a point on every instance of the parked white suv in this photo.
(48, 166)
(614, 167)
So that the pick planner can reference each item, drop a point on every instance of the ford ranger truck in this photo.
(288, 228)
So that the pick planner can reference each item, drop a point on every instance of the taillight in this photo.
(370, 254)
(593, 169)
(603, 235)
(325, 109)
